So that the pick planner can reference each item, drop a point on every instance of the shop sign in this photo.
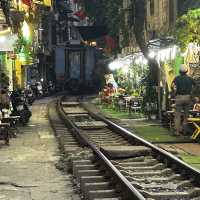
(130, 50)
(8, 43)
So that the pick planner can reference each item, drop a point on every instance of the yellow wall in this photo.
(18, 73)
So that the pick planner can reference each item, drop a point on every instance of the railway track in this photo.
(111, 163)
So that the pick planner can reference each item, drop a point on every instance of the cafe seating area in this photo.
(123, 103)
(135, 108)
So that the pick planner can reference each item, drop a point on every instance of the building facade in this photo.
(160, 17)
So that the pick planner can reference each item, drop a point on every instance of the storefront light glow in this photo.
(125, 69)
(25, 30)
(137, 61)
(128, 61)
(144, 61)
(2, 38)
(162, 55)
(115, 65)
(173, 52)
(7, 31)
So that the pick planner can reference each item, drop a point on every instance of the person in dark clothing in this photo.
(4, 99)
(182, 86)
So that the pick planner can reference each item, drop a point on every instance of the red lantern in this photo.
(27, 2)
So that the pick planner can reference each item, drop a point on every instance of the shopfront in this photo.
(7, 58)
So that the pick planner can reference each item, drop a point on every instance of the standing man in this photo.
(182, 86)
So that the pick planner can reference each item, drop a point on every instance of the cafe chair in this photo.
(135, 106)
(195, 121)
(121, 104)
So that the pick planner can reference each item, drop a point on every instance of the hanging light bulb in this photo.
(152, 54)
(25, 30)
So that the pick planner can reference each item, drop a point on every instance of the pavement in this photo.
(28, 166)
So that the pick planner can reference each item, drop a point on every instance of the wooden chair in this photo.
(195, 121)
(135, 105)
(121, 104)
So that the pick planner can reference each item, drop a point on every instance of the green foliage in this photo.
(188, 28)
(112, 16)
(185, 5)
(23, 46)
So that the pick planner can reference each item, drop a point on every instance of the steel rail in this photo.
(181, 166)
(133, 193)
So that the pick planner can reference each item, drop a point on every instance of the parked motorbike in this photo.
(20, 107)
(51, 88)
(29, 95)
(45, 90)
(39, 89)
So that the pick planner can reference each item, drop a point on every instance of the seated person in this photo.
(196, 106)
(111, 89)
(189, 128)
(107, 93)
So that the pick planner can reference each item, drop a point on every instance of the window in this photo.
(152, 7)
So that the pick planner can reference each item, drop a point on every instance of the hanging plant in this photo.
(188, 29)
(24, 46)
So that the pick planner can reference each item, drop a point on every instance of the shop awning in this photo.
(92, 32)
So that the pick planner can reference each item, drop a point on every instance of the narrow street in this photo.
(99, 100)
(28, 166)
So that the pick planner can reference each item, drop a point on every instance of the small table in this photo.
(196, 122)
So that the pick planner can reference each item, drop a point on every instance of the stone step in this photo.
(69, 149)
(81, 173)
(82, 162)
(102, 194)
(116, 198)
(87, 187)
(76, 168)
(68, 143)
(91, 179)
